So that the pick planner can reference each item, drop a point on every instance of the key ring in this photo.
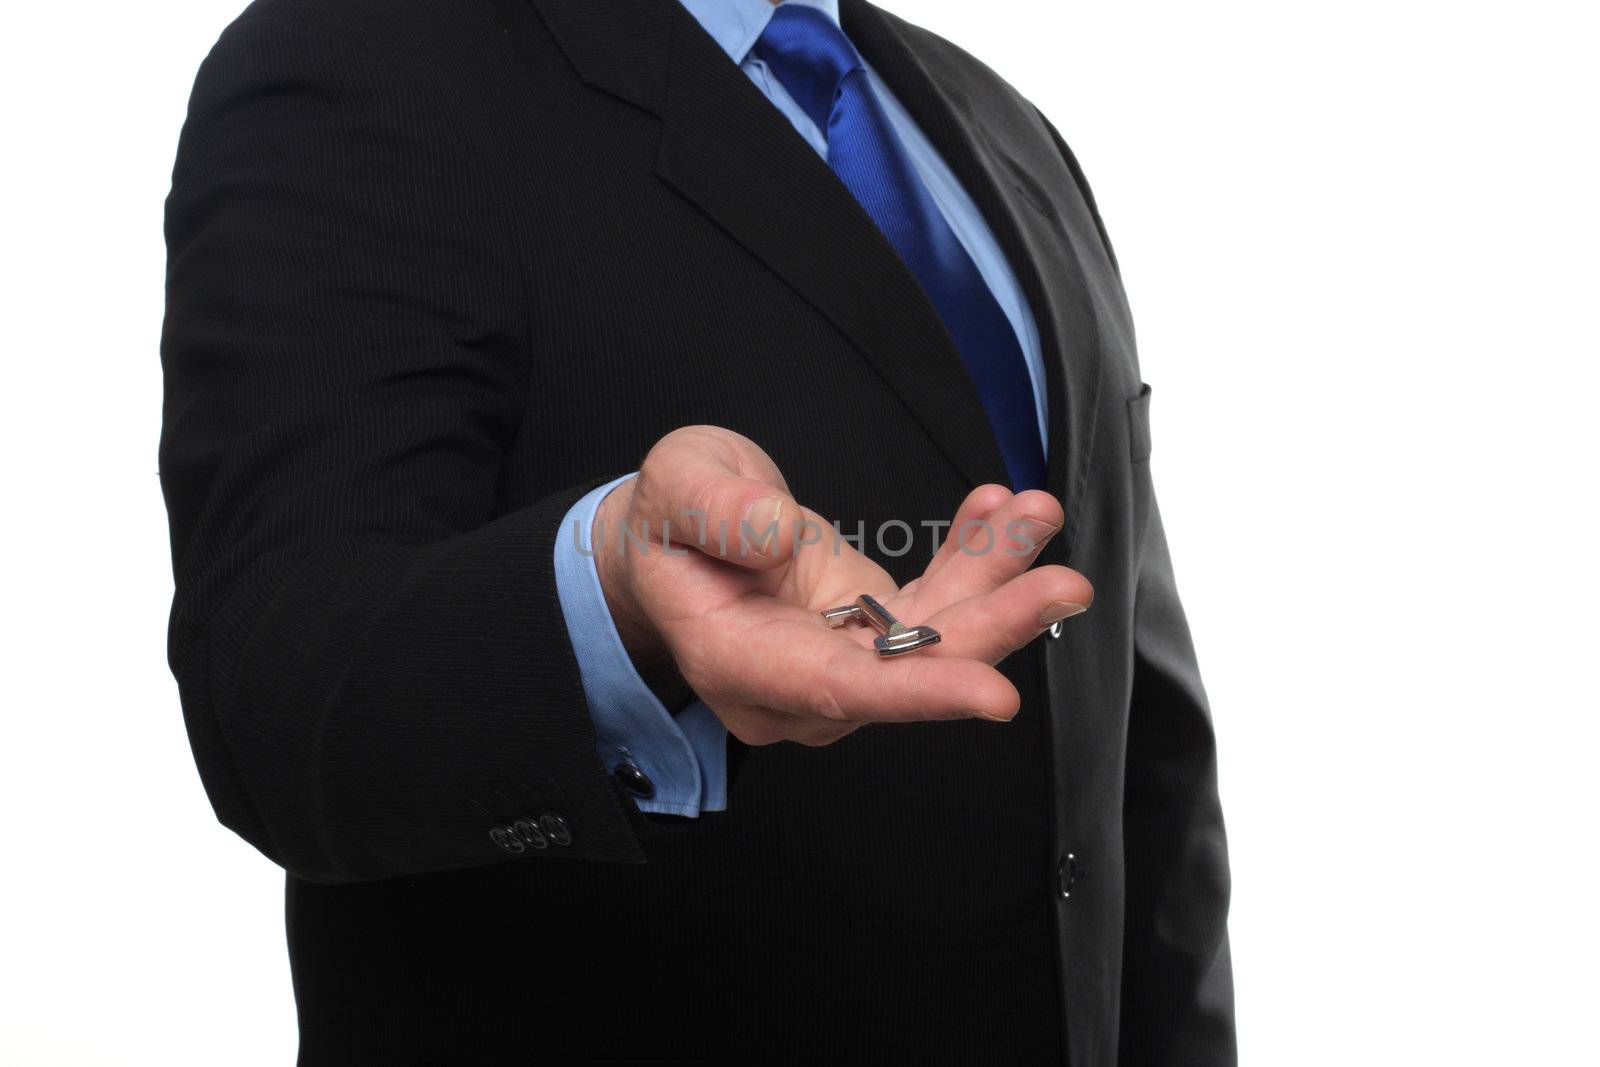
(894, 638)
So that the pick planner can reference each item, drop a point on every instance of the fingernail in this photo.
(761, 520)
(1029, 534)
(1057, 610)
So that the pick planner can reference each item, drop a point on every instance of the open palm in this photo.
(743, 625)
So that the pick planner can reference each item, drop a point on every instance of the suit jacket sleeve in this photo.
(1177, 1002)
(373, 665)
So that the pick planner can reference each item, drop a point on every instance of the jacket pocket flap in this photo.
(1139, 425)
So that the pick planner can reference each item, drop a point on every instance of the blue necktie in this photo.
(824, 74)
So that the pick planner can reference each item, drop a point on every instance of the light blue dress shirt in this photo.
(685, 756)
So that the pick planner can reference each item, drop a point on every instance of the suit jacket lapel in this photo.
(725, 148)
(1044, 254)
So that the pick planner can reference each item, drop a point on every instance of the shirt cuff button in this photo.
(637, 782)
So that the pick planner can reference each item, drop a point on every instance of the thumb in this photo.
(716, 491)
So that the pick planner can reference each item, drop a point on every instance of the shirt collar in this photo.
(736, 24)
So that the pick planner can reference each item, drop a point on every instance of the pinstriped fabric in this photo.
(439, 266)
(372, 671)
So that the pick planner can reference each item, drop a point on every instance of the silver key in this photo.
(894, 637)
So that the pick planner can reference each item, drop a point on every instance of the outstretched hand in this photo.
(711, 567)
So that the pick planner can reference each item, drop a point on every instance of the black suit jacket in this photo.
(438, 268)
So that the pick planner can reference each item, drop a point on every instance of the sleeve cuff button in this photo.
(637, 781)
(506, 838)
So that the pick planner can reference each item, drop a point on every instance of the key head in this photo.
(909, 639)
(894, 637)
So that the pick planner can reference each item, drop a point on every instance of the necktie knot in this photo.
(810, 56)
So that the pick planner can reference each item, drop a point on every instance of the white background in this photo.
(1360, 240)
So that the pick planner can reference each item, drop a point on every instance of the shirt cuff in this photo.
(684, 756)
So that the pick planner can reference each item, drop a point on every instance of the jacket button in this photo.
(637, 782)
(531, 835)
(556, 829)
(1067, 872)
(507, 838)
